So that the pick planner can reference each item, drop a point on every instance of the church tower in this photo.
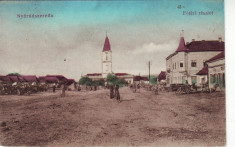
(106, 58)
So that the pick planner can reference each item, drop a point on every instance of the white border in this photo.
(230, 70)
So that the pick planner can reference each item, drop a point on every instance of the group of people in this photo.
(114, 92)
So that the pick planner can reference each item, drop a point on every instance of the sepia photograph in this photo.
(112, 73)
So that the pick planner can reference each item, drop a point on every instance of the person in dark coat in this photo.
(111, 92)
(54, 87)
(117, 94)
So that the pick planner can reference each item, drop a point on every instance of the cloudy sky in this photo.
(138, 31)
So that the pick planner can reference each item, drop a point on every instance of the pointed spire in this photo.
(106, 44)
(181, 47)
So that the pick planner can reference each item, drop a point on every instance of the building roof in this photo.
(181, 47)
(203, 71)
(198, 46)
(70, 81)
(139, 78)
(21, 79)
(29, 78)
(51, 79)
(161, 76)
(5, 78)
(41, 79)
(60, 77)
(106, 45)
(94, 74)
(14, 78)
(201, 46)
(217, 57)
(121, 74)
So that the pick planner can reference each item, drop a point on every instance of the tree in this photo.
(98, 82)
(14, 74)
(111, 79)
(85, 81)
(153, 80)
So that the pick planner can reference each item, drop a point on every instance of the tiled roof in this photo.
(162, 76)
(70, 81)
(139, 78)
(42, 79)
(60, 77)
(14, 78)
(30, 78)
(106, 45)
(21, 79)
(121, 74)
(219, 56)
(181, 47)
(51, 79)
(5, 78)
(200, 46)
(94, 74)
(203, 71)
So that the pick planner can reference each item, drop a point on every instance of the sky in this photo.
(139, 31)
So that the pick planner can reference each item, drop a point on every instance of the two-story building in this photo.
(188, 59)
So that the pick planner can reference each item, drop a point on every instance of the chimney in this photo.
(220, 39)
(193, 40)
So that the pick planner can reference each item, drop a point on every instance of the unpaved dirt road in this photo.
(92, 119)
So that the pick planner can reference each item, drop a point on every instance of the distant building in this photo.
(125, 76)
(189, 59)
(140, 79)
(161, 76)
(107, 66)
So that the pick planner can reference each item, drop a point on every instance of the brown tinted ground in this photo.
(92, 119)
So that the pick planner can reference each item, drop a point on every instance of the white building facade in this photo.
(216, 71)
(189, 59)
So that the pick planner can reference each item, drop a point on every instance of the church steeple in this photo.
(106, 44)
(106, 58)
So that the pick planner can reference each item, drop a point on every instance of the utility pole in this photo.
(149, 63)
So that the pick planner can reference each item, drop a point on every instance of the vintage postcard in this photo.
(112, 73)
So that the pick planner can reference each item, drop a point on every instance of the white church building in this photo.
(107, 65)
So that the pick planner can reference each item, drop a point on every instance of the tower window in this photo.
(106, 57)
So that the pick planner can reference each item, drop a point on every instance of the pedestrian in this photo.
(53, 87)
(117, 94)
(111, 91)
(138, 87)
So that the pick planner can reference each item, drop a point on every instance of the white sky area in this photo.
(27, 50)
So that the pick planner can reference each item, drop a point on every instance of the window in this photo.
(106, 57)
(181, 64)
(193, 63)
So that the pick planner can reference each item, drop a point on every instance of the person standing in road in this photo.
(111, 92)
(54, 87)
(117, 94)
